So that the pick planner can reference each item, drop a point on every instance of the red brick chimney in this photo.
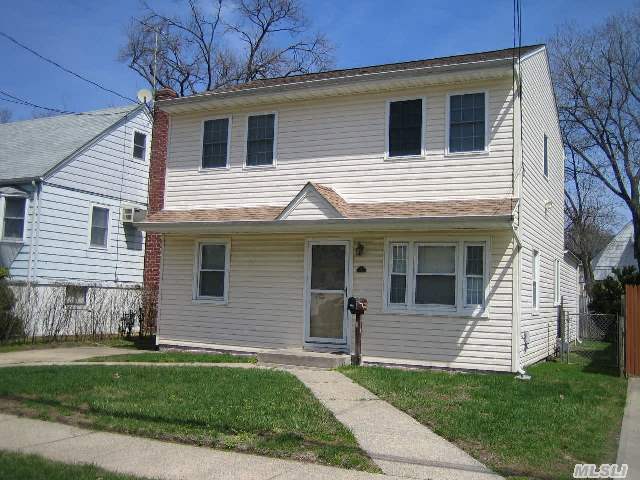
(157, 174)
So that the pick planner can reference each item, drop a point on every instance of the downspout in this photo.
(37, 244)
(35, 214)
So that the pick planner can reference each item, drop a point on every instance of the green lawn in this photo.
(16, 466)
(175, 357)
(565, 414)
(255, 410)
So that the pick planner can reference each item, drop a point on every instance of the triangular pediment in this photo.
(311, 204)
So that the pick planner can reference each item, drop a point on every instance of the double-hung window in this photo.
(535, 284)
(405, 128)
(261, 140)
(99, 233)
(439, 277)
(14, 215)
(139, 145)
(467, 123)
(215, 143)
(212, 266)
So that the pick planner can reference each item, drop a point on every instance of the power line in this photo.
(48, 60)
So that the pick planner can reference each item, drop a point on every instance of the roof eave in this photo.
(334, 224)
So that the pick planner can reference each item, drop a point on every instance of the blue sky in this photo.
(85, 36)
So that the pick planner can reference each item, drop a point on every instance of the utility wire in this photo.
(48, 60)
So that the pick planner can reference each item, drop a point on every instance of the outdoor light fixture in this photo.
(359, 249)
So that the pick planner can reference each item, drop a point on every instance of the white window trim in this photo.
(423, 129)
(556, 282)
(98, 247)
(447, 125)
(227, 165)
(275, 142)
(24, 224)
(474, 306)
(389, 263)
(535, 280)
(410, 308)
(145, 156)
(196, 297)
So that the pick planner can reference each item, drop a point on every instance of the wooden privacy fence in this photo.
(632, 329)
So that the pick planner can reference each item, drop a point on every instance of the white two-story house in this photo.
(67, 186)
(430, 188)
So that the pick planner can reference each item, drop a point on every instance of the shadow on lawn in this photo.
(601, 358)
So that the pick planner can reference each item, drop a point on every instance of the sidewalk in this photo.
(155, 459)
(629, 447)
(60, 354)
(396, 442)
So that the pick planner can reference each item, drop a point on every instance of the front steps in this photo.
(304, 358)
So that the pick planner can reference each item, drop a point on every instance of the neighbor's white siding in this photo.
(540, 229)
(340, 142)
(266, 307)
(617, 254)
(105, 174)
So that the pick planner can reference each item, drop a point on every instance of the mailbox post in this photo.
(357, 307)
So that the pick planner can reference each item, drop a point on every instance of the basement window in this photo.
(75, 295)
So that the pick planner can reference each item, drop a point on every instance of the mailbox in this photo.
(357, 306)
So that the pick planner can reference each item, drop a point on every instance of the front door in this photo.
(327, 281)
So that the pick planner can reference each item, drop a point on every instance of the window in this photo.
(398, 287)
(215, 143)
(261, 140)
(75, 295)
(139, 145)
(546, 158)
(14, 214)
(99, 227)
(556, 282)
(435, 275)
(474, 275)
(213, 271)
(467, 122)
(405, 128)
(443, 277)
(535, 294)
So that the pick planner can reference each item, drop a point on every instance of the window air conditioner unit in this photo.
(126, 213)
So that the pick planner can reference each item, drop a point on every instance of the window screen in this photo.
(260, 139)
(405, 128)
(99, 227)
(436, 275)
(139, 145)
(14, 213)
(466, 122)
(474, 275)
(211, 270)
(214, 143)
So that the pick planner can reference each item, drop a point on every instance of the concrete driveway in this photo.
(60, 354)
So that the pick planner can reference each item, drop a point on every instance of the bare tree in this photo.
(231, 43)
(5, 115)
(589, 215)
(596, 74)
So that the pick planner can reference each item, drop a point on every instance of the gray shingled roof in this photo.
(31, 148)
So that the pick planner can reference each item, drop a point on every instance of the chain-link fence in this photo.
(591, 339)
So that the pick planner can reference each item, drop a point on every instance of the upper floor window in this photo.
(213, 271)
(467, 122)
(14, 215)
(405, 128)
(261, 132)
(99, 227)
(545, 160)
(215, 143)
(535, 290)
(139, 145)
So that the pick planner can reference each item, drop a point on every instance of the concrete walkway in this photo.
(155, 459)
(629, 447)
(60, 354)
(397, 443)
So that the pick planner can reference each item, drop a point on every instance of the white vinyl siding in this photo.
(340, 142)
(265, 307)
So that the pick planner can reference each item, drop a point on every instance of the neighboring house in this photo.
(617, 254)
(414, 185)
(67, 183)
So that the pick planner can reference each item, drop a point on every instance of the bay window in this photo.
(443, 277)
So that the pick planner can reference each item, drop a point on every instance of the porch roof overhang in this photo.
(493, 222)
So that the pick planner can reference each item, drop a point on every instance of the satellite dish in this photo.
(145, 95)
